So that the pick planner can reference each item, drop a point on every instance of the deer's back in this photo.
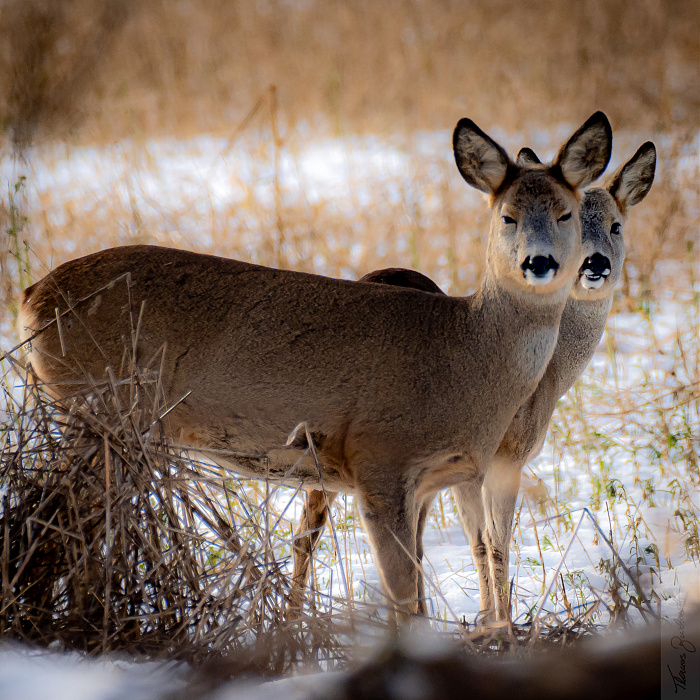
(250, 340)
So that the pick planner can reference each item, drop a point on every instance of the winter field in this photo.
(609, 512)
(316, 137)
(617, 481)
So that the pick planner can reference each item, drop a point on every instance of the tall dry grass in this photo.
(184, 67)
(88, 71)
(110, 540)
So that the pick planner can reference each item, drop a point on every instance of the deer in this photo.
(486, 510)
(401, 393)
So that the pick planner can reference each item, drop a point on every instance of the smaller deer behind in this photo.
(486, 511)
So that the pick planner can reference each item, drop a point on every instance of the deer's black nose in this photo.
(539, 265)
(597, 264)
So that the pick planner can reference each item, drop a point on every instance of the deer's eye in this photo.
(564, 218)
(508, 220)
(616, 228)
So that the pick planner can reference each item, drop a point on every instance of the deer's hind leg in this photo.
(420, 529)
(390, 516)
(306, 537)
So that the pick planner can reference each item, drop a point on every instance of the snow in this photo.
(31, 674)
(206, 173)
(28, 674)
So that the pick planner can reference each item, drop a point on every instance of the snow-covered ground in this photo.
(36, 675)
(616, 469)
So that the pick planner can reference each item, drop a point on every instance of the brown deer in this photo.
(403, 392)
(602, 215)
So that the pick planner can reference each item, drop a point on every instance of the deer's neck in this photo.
(582, 325)
(510, 341)
(580, 331)
(521, 330)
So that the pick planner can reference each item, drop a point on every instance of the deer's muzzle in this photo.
(594, 271)
(539, 269)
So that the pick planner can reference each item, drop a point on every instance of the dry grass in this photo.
(187, 67)
(110, 540)
(96, 72)
(423, 216)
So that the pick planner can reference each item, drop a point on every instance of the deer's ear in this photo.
(527, 156)
(632, 181)
(584, 157)
(480, 160)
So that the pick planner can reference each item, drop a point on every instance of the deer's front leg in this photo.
(500, 493)
(470, 508)
(306, 537)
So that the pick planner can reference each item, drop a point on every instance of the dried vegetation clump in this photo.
(110, 540)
